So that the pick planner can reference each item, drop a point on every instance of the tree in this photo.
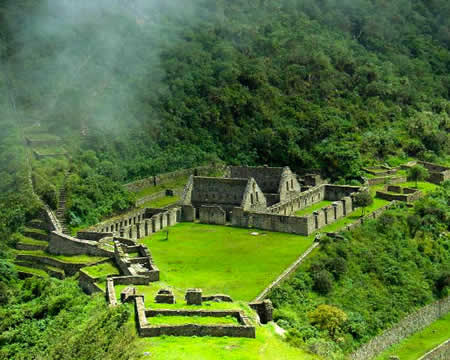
(417, 173)
(323, 282)
(328, 317)
(363, 199)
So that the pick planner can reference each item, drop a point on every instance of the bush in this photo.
(323, 282)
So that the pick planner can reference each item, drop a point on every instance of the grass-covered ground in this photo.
(101, 270)
(312, 208)
(30, 241)
(162, 202)
(351, 218)
(222, 259)
(198, 320)
(267, 346)
(78, 259)
(32, 271)
(421, 342)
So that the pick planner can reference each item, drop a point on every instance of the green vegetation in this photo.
(425, 187)
(76, 259)
(172, 184)
(418, 173)
(32, 271)
(267, 345)
(199, 320)
(29, 241)
(222, 259)
(312, 208)
(101, 270)
(373, 277)
(421, 342)
(162, 202)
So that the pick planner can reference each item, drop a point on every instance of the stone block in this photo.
(193, 297)
(165, 296)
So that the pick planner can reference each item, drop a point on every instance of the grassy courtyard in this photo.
(312, 208)
(222, 259)
(421, 342)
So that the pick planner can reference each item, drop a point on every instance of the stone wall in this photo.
(300, 201)
(60, 244)
(212, 215)
(88, 285)
(406, 327)
(304, 225)
(387, 180)
(164, 178)
(156, 196)
(92, 235)
(409, 197)
(441, 352)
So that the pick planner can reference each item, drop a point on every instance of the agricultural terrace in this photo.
(221, 259)
(421, 342)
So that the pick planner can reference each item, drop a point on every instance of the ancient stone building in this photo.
(216, 197)
(277, 183)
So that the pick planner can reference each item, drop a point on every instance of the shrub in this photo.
(323, 283)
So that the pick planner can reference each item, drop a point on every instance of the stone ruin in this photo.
(165, 296)
(265, 198)
(193, 296)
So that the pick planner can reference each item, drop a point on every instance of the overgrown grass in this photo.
(222, 259)
(30, 241)
(312, 208)
(421, 342)
(423, 186)
(78, 259)
(35, 231)
(101, 270)
(198, 320)
(162, 202)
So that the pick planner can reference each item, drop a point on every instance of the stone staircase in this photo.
(61, 210)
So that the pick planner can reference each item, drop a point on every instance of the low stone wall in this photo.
(406, 327)
(61, 244)
(34, 265)
(22, 246)
(166, 177)
(157, 196)
(69, 268)
(299, 202)
(88, 285)
(111, 292)
(130, 280)
(442, 352)
(387, 180)
(411, 197)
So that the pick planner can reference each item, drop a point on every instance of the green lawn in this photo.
(78, 259)
(312, 208)
(222, 259)
(199, 320)
(160, 203)
(421, 342)
(101, 270)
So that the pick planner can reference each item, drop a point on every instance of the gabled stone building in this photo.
(222, 195)
(277, 183)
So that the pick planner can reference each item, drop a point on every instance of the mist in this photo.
(93, 64)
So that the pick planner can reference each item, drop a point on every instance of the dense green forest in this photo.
(138, 88)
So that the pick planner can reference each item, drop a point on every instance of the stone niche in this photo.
(193, 296)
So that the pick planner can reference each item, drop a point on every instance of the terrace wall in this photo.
(406, 327)
(441, 352)
(61, 244)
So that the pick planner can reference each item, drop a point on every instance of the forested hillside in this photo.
(135, 88)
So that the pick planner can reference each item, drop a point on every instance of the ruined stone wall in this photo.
(212, 215)
(92, 235)
(337, 192)
(88, 285)
(304, 225)
(164, 178)
(433, 167)
(268, 178)
(156, 196)
(253, 197)
(387, 179)
(289, 186)
(60, 244)
(406, 327)
(300, 201)
(410, 197)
